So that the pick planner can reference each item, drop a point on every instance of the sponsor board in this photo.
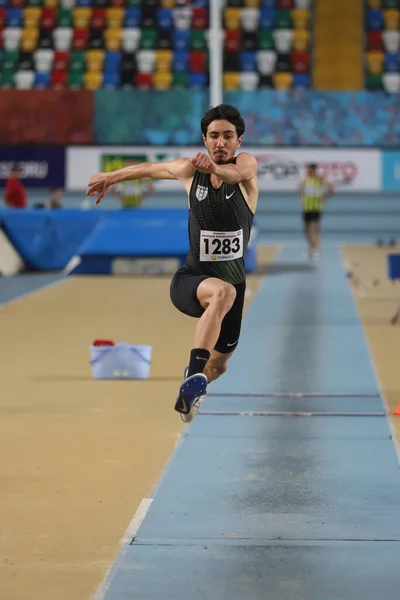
(278, 169)
(40, 167)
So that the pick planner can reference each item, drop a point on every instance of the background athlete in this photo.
(222, 192)
(313, 190)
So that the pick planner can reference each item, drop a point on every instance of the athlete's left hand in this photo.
(203, 163)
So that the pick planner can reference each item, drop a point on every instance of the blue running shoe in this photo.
(190, 395)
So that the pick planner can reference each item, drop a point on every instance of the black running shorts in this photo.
(183, 293)
(312, 215)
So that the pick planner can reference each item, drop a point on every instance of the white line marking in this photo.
(136, 521)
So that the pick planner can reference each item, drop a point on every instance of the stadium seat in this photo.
(301, 81)
(283, 81)
(231, 81)
(24, 79)
(374, 40)
(391, 62)
(42, 80)
(111, 80)
(266, 61)
(61, 61)
(95, 60)
(162, 80)
(249, 81)
(130, 39)
(81, 17)
(391, 82)
(163, 61)
(250, 19)
(62, 37)
(43, 60)
(375, 62)
(391, 41)
(93, 80)
(391, 19)
(32, 16)
(233, 20)
(197, 81)
(113, 39)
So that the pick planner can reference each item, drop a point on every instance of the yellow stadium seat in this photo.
(301, 18)
(233, 19)
(50, 3)
(162, 80)
(93, 80)
(231, 81)
(168, 3)
(375, 62)
(375, 4)
(283, 81)
(115, 17)
(112, 39)
(32, 16)
(163, 60)
(252, 3)
(81, 17)
(391, 18)
(301, 38)
(29, 39)
(94, 60)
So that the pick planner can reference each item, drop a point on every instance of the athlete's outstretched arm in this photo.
(181, 168)
(244, 169)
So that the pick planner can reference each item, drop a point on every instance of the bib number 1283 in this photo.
(221, 245)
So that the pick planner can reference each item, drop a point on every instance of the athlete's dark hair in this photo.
(225, 112)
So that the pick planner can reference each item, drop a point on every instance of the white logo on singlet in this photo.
(201, 192)
(230, 196)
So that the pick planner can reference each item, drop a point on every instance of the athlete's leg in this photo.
(217, 298)
(216, 365)
(210, 299)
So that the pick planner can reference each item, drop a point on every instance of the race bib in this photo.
(221, 245)
(312, 191)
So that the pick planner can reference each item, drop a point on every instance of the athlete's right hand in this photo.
(98, 184)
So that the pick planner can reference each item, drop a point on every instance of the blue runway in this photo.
(287, 484)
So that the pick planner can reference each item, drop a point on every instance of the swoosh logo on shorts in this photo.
(233, 343)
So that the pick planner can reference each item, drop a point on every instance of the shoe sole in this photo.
(191, 389)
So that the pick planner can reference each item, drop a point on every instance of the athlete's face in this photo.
(222, 141)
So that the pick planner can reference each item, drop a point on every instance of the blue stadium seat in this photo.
(198, 80)
(15, 17)
(181, 39)
(42, 80)
(267, 18)
(391, 62)
(268, 4)
(301, 80)
(111, 80)
(112, 61)
(374, 20)
(248, 61)
(84, 3)
(165, 18)
(180, 62)
(133, 17)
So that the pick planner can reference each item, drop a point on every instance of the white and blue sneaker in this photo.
(191, 395)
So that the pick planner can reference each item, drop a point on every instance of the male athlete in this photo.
(222, 193)
(313, 191)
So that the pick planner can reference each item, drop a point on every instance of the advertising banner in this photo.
(40, 167)
(278, 170)
(390, 171)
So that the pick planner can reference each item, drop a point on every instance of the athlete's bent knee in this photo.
(224, 296)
